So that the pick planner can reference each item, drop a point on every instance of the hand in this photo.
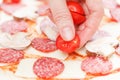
(63, 19)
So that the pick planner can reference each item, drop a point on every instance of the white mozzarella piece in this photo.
(3, 75)
(4, 17)
(55, 54)
(103, 46)
(7, 75)
(38, 22)
(110, 4)
(114, 76)
(1, 1)
(100, 34)
(18, 41)
(81, 51)
(25, 68)
(107, 12)
(3, 64)
(26, 12)
(115, 59)
(48, 27)
(32, 2)
(112, 28)
(118, 1)
(72, 70)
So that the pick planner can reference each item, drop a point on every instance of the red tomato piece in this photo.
(75, 7)
(11, 1)
(77, 12)
(77, 18)
(68, 46)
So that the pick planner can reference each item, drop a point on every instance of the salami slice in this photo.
(14, 26)
(10, 55)
(47, 67)
(96, 65)
(43, 44)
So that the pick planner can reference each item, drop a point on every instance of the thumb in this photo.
(62, 18)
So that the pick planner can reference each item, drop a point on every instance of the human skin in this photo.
(63, 19)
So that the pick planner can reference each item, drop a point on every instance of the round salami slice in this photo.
(43, 44)
(10, 55)
(96, 65)
(14, 26)
(47, 67)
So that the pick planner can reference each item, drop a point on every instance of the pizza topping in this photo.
(47, 67)
(72, 71)
(81, 51)
(68, 46)
(22, 71)
(111, 4)
(10, 55)
(17, 41)
(116, 13)
(112, 29)
(28, 12)
(100, 34)
(77, 12)
(44, 44)
(5, 17)
(14, 26)
(54, 54)
(48, 27)
(11, 1)
(103, 46)
(11, 8)
(96, 65)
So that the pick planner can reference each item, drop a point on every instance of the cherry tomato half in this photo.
(68, 46)
(11, 1)
(77, 12)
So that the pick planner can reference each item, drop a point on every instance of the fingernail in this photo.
(67, 33)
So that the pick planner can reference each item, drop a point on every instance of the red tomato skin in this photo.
(77, 12)
(75, 7)
(11, 1)
(68, 46)
(77, 18)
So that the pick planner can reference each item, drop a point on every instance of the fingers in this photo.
(87, 29)
(62, 18)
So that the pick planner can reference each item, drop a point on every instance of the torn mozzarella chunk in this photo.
(112, 28)
(110, 4)
(28, 12)
(7, 75)
(104, 46)
(38, 22)
(25, 68)
(118, 1)
(115, 59)
(100, 34)
(81, 51)
(3, 75)
(48, 27)
(107, 12)
(17, 41)
(113, 76)
(72, 70)
(32, 2)
(4, 17)
(1, 1)
(55, 54)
